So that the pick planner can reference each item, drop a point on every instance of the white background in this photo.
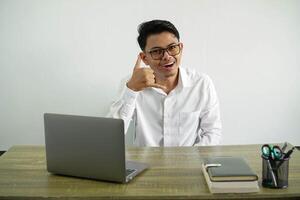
(69, 57)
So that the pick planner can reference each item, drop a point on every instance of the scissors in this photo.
(271, 152)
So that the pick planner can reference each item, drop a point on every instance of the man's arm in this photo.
(124, 107)
(210, 119)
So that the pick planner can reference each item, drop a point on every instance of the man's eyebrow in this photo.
(162, 47)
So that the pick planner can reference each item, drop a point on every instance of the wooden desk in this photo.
(174, 174)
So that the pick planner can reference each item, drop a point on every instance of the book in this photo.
(228, 185)
(231, 169)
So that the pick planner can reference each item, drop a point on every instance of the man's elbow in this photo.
(210, 138)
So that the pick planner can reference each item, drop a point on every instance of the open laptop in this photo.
(88, 147)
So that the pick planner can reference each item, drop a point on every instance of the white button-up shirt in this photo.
(189, 115)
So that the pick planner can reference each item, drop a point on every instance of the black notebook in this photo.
(231, 169)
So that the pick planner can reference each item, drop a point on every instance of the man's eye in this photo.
(157, 51)
(171, 48)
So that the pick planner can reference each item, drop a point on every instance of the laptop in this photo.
(88, 147)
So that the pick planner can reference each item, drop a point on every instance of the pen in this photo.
(284, 147)
(286, 156)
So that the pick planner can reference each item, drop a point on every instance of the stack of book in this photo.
(229, 175)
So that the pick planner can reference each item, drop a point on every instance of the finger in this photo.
(148, 70)
(157, 86)
(138, 62)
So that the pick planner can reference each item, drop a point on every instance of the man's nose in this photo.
(166, 55)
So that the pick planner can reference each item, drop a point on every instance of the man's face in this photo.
(157, 54)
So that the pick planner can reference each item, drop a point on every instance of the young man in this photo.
(170, 105)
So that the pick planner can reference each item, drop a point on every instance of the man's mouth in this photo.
(168, 65)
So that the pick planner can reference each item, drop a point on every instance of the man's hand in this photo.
(142, 78)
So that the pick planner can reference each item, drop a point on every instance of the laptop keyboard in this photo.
(129, 171)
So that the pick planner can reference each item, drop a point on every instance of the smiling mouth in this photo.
(169, 65)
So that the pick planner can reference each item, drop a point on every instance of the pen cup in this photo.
(275, 173)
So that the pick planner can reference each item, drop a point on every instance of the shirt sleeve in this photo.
(124, 106)
(210, 119)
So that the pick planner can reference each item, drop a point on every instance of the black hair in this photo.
(148, 28)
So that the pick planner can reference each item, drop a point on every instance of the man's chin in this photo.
(170, 73)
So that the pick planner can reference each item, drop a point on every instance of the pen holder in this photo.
(275, 173)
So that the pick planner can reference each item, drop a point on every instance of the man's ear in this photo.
(181, 46)
(144, 58)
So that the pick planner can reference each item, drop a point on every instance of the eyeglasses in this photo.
(159, 53)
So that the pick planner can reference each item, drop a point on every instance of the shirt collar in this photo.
(184, 80)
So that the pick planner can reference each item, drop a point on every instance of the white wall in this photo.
(69, 56)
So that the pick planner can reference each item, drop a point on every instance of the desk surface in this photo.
(174, 174)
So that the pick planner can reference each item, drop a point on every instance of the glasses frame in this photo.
(165, 50)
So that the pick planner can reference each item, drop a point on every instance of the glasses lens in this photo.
(157, 53)
(173, 50)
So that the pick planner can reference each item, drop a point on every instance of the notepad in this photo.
(231, 169)
(233, 175)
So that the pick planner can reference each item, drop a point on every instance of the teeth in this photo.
(169, 64)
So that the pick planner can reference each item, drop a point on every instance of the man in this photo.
(170, 105)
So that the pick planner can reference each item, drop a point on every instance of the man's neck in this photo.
(169, 82)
